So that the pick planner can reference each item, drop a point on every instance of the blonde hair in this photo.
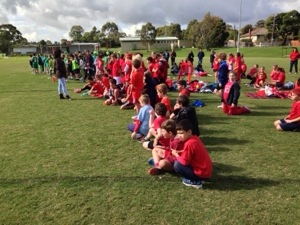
(144, 99)
(162, 88)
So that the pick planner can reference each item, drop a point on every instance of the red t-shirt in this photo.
(281, 77)
(261, 77)
(294, 56)
(137, 81)
(295, 111)
(116, 69)
(158, 121)
(184, 92)
(166, 101)
(195, 155)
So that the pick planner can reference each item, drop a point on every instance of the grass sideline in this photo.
(73, 162)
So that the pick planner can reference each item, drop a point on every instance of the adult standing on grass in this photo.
(294, 56)
(200, 56)
(61, 75)
(292, 121)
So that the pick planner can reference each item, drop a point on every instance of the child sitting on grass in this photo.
(162, 91)
(292, 121)
(230, 97)
(183, 110)
(127, 101)
(140, 127)
(113, 94)
(87, 86)
(261, 78)
(157, 117)
(162, 159)
(194, 163)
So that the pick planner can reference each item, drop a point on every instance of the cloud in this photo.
(52, 20)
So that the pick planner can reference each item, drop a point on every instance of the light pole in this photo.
(238, 39)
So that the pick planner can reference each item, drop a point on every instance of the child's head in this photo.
(256, 66)
(181, 84)
(184, 129)
(162, 89)
(183, 100)
(262, 69)
(112, 82)
(231, 76)
(136, 63)
(90, 80)
(144, 99)
(160, 109)
(295, 95)
(223, 56)
(168, 128)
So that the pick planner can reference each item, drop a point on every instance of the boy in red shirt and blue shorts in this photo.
(193, 163)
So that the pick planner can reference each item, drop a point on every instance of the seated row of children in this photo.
(184, 153)
(258, 77)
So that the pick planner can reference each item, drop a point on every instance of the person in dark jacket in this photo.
(230, 97)
(61, 75)
(183, 110)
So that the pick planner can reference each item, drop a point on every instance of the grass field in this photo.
(73, 162)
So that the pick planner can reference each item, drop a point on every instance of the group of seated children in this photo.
(258, 77)
(157, 130)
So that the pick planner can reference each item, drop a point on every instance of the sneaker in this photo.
(154, 171)
(138, 136)
(151, 161)
(68, 97)
(144, 140)
(195, 184)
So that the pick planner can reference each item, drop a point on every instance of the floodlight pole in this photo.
(238, 41)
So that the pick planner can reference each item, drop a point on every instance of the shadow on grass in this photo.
(209, 140)
(234, 183)
(224, 182)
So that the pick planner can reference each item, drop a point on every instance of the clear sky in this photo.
(53, 19)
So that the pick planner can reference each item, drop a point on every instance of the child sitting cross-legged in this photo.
(140, 126)
(113, 94)
(193, 164)
(157, 117)
(292, 121)
(162, 159)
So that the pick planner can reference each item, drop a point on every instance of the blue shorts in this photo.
(289, 126)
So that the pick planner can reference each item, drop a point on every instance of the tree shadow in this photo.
(209, 140)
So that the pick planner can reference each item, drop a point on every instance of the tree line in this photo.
(210, 32)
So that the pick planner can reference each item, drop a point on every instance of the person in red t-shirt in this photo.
(137, 81)
(128, 66)
(157, 117)
(294, 56)
(162, 91)
(116, 68)
(238, 66)
(127, 101)
(278, 78)
(261, 78)
(181, 87)
(252, 75)
(193, 163)
(292, 121)
(162, 159)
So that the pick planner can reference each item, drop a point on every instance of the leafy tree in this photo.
(110, 29)
(76, 33)
(284, 25)
(148, 34)
(138, 33)
(246, 29)
(260, 24)
(9, 37)
(192, 31)
(173, 30)
(212, 32)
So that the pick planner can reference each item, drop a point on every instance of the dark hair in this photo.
(150, 59)
(57, 53)
(182, 82)
(184, 125)
(169, 126)
(183, 100)
(136, 63)
(160, 109)
(112, 81)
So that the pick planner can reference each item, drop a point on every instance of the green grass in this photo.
(73, 162)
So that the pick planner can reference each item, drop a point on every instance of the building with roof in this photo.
(134, 43)
(258, 36)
